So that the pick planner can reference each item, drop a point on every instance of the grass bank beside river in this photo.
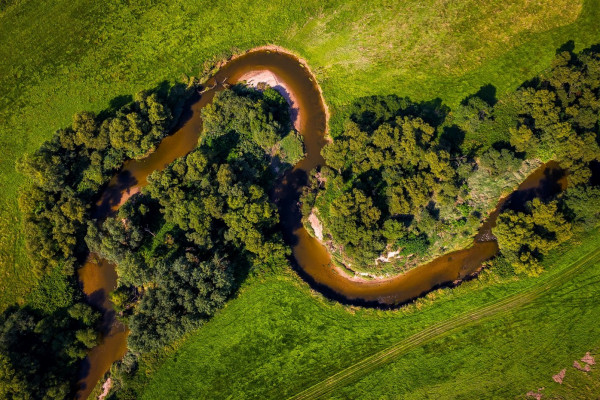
(294, 339)
(66, 56)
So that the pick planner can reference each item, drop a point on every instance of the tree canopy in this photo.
(68, 171)
(42, 344)
(202, 221)
(40, 354)
(525, 237)
(387, 175)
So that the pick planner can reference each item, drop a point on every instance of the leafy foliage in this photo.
(388, 175)
(67, 171)
(525, 237)
(261, 117)
(201, 222)
(558, 119)
(38, 353)
(41, 347)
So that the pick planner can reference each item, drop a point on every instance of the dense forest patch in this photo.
(415, 180)
(40, 353)
(68, 171)
(202, 224)
(383, 173)
(42, 344)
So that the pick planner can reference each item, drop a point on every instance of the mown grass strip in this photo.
(366, 365)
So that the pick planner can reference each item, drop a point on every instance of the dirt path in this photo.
(366, 365)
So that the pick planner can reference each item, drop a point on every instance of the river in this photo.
(311, 259)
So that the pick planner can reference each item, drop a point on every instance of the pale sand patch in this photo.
(388, 258)
(105, 389)
(279, 49)
(588, 359)
(260, 77)
(558, 378)
(316, 225)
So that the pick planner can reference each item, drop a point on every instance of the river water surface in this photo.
(311, 259)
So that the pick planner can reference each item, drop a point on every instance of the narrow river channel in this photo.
(311, 259)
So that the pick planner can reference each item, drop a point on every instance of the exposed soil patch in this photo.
(558, 378)
(578, 366)
(259, 78)
(316, 225)
(588, 359)
(105, 389)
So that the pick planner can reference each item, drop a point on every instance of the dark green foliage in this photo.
(39, 353)
(66, 174)
(261, 117)
(200, 223)
(68, 171)
(558, 116)
(54, 224)
(557, 120)
(187, 293)
(583, 205)
(526, 237)
(483, 123)
(495, 174)
(502, 267)
(139, 126)
(56, 290)
(387, 173)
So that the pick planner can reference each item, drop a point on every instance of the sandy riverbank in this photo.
(258, 78)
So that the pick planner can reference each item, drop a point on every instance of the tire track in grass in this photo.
(368, 364)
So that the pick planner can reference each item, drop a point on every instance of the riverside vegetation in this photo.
(537, 226)
(206, 221)
(202, 224)
(407, 179)
(42, 344)
(68, 56)
(68, 171)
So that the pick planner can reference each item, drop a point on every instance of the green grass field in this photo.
(64, 56)
(487, 338)
(277, 338)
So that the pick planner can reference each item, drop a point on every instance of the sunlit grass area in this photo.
(64, 56)
(293, 339)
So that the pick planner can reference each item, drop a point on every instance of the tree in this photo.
(387, 167)
(525, 238)
(38, 353)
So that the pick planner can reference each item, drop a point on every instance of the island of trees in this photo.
(407, 182)
(185, 243)
(404, 182)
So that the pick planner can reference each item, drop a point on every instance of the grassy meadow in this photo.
(65, 56)
(293, 339)
(277, 337)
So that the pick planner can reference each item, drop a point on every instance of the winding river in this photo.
(311, 259)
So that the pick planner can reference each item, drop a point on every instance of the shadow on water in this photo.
(287, 198)
(552, 182)
(119, 186)
(595, 167)
(99, 298)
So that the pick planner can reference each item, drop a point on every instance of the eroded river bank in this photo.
(311, 258)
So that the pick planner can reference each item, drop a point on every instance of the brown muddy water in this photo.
(311, 259)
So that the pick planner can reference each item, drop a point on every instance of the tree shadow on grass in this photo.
(487, 93)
